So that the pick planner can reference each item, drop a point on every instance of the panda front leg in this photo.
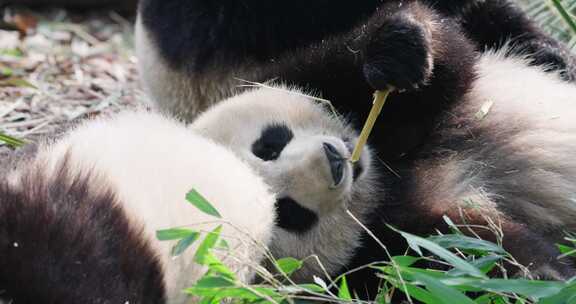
(414, 47)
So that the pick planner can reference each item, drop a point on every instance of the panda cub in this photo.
(502, 154)
(79, 214)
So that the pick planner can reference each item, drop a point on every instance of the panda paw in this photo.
(398, 55)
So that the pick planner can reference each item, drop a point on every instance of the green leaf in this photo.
(566, 16)
(465, 242)
(491, 298)
(416, 242)
(441, 291)
(288, 265)
(566, 251)
(223, 245)
(216, 266)
(201, 203)
(451, 224)
(413, 291)
(213, 282)
(485, 264)
(10, 52)
(5, 71)
(238, 293)
(209, 242)
(173, 234)
(17, 82)
(406, 272)
(405, 260)
(343, 291)
(184, 243)
(11, 141)
(419, 294)
(565, 296)
(209, 300)
(311, 287)
(528, 288)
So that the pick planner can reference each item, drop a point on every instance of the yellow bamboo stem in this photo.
(379, 100)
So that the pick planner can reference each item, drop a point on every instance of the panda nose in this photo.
(336, 163)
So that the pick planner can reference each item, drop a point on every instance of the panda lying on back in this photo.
(78, 214)
(190, 53)
(504, 153)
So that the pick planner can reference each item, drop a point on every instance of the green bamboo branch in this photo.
(11, 141)
(566, 16)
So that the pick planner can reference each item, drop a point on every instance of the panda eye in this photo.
(271, 142)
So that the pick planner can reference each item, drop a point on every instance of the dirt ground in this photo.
(56, 67)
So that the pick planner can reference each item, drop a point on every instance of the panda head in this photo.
(301, 149)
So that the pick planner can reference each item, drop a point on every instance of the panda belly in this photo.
(522, 128)
(505, 155)
(148, 180)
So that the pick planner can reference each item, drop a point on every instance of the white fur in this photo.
(515, 157)
(301, 172)
(151, 162)
(541, 109)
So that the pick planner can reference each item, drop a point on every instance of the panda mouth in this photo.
(357, 168)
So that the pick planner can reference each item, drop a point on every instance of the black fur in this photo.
(201, 34)
(65, 239)
(272, 141)
(293, 217)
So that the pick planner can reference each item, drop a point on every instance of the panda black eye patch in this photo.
(272, 141)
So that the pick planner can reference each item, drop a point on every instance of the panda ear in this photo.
(293, 217)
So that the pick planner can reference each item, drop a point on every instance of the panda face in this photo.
(310, 172)
(299, 148)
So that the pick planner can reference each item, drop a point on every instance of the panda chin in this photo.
(293, 217)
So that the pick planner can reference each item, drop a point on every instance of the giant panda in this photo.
(501, 154)
(193, 53)
(79, 213)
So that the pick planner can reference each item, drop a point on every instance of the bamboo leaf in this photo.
(201, 203)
